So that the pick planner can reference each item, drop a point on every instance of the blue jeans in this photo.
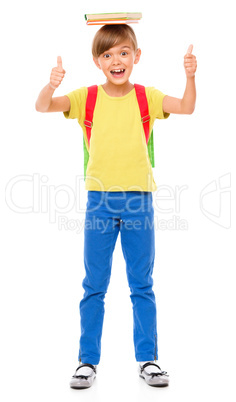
(132, 214)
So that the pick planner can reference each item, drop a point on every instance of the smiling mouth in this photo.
(118, 73)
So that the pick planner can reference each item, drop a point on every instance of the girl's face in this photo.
(117, 62)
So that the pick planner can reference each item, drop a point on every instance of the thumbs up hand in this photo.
(57, 74)
(190, 63)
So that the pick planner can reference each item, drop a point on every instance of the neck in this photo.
(117, 90)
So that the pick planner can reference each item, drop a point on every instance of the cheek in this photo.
(105, 64)
(131, 61)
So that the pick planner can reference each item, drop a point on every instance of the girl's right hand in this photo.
(57, 74)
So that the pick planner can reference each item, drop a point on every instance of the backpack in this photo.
(145, 117)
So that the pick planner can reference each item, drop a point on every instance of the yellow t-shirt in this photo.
(118, 155)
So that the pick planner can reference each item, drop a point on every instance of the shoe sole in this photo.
(74, 386)
(156, 385)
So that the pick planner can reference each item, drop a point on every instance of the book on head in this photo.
(112, 18)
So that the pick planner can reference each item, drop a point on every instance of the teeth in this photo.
(117, 71)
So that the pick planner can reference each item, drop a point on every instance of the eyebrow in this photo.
(122, 47)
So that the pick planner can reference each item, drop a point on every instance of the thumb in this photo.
(59, 62)
(190, 49)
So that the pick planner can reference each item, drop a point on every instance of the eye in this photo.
(124, 53)
(106, 55)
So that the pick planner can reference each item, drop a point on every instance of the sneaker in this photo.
(153, 375)
(84, 376)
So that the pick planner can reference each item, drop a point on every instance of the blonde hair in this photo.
(111, 35)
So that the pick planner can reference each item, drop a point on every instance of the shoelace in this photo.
(157, 374)
(160, 373)
(83, 377)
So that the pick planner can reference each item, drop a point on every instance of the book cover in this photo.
(112, 16)
(109, 22)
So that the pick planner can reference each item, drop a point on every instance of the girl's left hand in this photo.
(190, 63)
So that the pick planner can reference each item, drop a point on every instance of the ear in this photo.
(137, 56)
(96, 61)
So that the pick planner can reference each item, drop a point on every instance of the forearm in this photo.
(189, 97)
(44, 99)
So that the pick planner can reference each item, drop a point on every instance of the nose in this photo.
(116, 59)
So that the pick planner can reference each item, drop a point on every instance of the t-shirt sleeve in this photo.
(155, 100)
(77, 104)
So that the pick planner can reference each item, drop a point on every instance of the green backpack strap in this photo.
(150, 147)
(86, 158)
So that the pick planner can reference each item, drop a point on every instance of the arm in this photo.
(185, 105)
(45, 101)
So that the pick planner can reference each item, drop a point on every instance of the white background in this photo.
(42, 264)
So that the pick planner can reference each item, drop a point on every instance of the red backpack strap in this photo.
(89, 109)
(143, 106)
